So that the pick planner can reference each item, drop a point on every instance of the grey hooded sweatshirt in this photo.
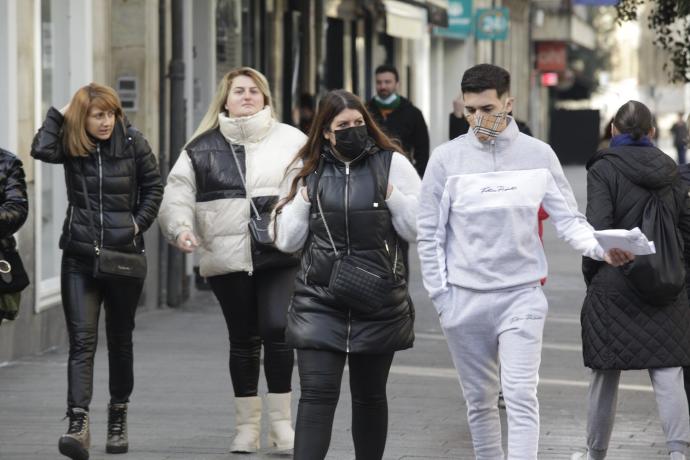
(477, 220)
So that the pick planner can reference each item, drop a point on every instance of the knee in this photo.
(522, 398)
(245, 346)
(83, 340)
(316, 389)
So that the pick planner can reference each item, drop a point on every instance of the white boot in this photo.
(677, 455)
(247, 424)
(281, 436)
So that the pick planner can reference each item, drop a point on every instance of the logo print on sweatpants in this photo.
(498, 188)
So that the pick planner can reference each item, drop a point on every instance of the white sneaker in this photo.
(579, 456)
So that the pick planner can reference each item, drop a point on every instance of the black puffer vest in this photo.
(217, 177)
(353, 199)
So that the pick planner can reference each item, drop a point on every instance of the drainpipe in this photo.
(176, 260)
(163, 155)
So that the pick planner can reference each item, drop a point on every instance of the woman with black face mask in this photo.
(351, 203)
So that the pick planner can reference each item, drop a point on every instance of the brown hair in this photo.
(75, 138)
(330, 106)
(210, 120)
(634, 118)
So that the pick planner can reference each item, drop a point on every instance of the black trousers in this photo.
(82, 296)
(320, 375)
(255, 311)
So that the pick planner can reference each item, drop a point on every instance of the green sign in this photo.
(459, 20)
(492, 23)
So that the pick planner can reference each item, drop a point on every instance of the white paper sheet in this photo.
(628, 240)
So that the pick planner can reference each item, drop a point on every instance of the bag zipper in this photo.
(368, 272)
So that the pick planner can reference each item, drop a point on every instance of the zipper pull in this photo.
(347, 168)
(385, 243)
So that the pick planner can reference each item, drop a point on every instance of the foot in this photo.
(76, 442)
(117, 442)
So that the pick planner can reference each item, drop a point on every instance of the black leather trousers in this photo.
(255, 311)
(82, 296)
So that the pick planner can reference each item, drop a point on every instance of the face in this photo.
(345, 119)
(487, 102)
(386, 84)
(100, 123)
(244, 98)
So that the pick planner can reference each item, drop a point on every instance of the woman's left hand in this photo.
(389, 191)
(618, 257)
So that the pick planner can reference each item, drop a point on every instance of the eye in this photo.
(470, 110)
(359, 122)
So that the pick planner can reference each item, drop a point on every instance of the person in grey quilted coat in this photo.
(620, 330)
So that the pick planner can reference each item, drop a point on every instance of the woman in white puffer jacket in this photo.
(230, 172)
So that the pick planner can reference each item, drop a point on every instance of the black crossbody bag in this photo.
(109, 263)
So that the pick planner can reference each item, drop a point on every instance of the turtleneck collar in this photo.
(242, 130)
(502, 141)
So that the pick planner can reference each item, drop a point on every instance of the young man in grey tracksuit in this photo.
(482, 259)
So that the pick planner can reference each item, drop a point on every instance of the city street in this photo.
(182, 407)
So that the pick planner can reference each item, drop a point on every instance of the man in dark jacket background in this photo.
(399, 118)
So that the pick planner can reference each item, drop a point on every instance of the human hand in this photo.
(618, 257)
(186, 242)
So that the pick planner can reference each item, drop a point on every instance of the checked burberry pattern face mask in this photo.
(487, 126)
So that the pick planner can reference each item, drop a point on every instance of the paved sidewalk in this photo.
(182, 405)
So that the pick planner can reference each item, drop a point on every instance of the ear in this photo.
(651, 133)
(509, 104)
(614, 130)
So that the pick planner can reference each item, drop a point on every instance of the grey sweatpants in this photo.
(670, 399)
(484, 329)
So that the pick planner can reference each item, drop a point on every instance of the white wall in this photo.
(8, 75)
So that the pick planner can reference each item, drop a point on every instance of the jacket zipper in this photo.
(100, 189)
(395, 262)
(347, 239)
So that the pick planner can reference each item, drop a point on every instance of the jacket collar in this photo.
(242, 130)
(502, 141)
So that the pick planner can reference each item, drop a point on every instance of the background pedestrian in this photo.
(679, 131)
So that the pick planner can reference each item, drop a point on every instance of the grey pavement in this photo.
(182, 406)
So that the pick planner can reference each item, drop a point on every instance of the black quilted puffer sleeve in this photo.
(599, 209)
(15, 205)
(148, 182)
(47, 144)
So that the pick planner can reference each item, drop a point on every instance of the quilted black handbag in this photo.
(355, 282)
(13, 276)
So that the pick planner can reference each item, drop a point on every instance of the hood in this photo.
(647, 167)
(242, 130)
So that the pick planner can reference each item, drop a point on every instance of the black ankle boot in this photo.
(75, 443)
(117, 442)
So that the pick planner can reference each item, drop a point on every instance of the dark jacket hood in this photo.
(647, 167)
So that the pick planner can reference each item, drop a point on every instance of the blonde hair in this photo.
(210, 120)
(75, 138)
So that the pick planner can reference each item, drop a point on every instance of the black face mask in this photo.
(350, 142)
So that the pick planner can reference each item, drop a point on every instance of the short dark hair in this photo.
(485, 76)
(383, 68)
(634, 118)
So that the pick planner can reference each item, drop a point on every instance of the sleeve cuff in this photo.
(441, 300)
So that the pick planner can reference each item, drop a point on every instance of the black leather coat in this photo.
(14, 205)
(619, 329)
(354, 204)
(123, 185)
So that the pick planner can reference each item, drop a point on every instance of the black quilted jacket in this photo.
(14, 205)
(123, 186)
(619, 330)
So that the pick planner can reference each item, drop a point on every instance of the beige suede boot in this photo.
(281, 436)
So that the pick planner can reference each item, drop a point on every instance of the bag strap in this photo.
(88, 206)
(319, 171)
(244, 182)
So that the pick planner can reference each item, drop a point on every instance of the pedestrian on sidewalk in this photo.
(621, 326)
(14, 208)
(351, 203)
(482, 260)
(679, 131)
(113, 191)
(218, 200)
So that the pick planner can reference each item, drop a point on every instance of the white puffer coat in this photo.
(222, 224)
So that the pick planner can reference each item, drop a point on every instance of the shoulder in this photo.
(290, 138)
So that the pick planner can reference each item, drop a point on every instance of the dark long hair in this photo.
(634, 118)
(330, 106)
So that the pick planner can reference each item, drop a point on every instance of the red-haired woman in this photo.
(350, 205)
(114, 191)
